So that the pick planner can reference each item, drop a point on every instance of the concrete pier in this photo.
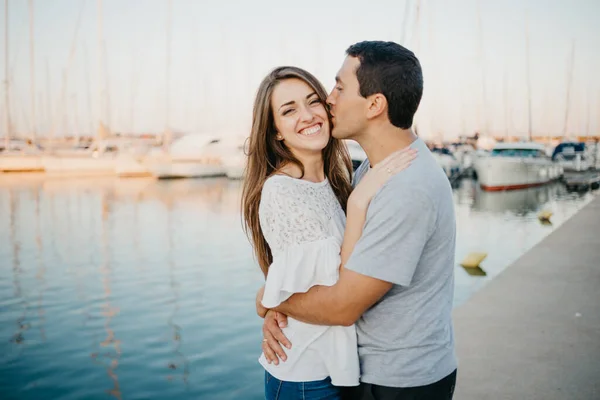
(534, 331)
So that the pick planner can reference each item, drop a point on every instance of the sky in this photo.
(473, 53)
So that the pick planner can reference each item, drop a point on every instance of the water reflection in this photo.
(108, 358)
(22, 324)
(475, 271)
(178, 362)
(40, 275)
(206, 195)
(145, 289)
(517, 202)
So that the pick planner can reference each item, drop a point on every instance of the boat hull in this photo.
(512, 173)
(20, 163)
(185, 169)
(79, 166)
(131, 167)
(235, 171)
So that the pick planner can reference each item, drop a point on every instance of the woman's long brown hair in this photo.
(266, 155)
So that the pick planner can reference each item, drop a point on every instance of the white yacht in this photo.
(516, 166)
(192, 156)
(97, 160)
(132, 161)
(233, 151)
(20, 156)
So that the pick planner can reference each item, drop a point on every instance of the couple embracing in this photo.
(359, 270)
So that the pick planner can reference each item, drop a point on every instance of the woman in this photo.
(296, 191)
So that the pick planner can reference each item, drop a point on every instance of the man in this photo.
(398, 284)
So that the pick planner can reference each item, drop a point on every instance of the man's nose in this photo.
(330, 100)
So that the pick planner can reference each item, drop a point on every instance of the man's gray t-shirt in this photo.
(406, 339)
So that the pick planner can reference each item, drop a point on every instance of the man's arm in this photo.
(354, 292)
(340, 304)
(344, 302)
(386, 254)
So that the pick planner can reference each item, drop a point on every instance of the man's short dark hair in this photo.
(395, 72)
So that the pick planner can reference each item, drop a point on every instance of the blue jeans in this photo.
(314, 390)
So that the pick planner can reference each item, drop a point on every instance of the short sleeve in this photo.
(304, 253)
(397, 228)
(298, 268)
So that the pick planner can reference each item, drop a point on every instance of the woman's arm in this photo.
(355, 220)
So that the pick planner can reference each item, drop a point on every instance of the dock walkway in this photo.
(534, 331)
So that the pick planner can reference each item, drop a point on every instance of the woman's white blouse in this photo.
(303, 224)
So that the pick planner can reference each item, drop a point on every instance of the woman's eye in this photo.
(288, 111)
(315, 101)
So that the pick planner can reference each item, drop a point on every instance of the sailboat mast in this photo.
(132, 90)
(40, 107)
(167, 134)
(49, 111)
(76, 127)
(87, 86)
(7, 125)
(569, 82)
(587, 119)
(482, 60)
(417, 29)
(99, 67)
(529, 129)
(505, 106)
(107, 109)
(63, 98)
(32, 71)
(63, 102)
(405, 23)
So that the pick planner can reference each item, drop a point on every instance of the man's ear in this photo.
(377, 105)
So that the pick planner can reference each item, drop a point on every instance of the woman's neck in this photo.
(314, 168)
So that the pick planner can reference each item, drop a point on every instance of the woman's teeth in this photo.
(313, 130)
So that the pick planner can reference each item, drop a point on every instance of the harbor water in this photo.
(143, 289)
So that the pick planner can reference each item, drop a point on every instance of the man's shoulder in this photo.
(398, 199)
(411, 179)
(422, 178)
